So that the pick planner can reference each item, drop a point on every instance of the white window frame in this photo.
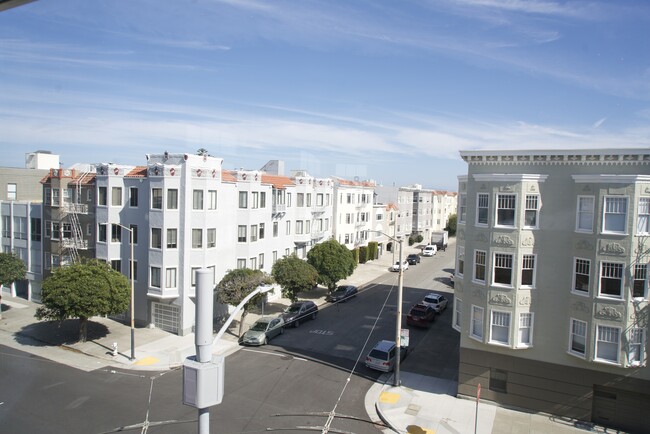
(483, 203)
(159, 231)
(116, 196)
(197, 238)
(526, 322)
(636, 346)
(578, 269)
(614, 212)
(605, 335)
(241, 263)
(212, 199)
(606, 269)
(462, 208)
(212, 238)
(496, 320)
(530, 207)
(170, 277)
(640, 273)
(478, 254)
(458, 310)
(499, 206)
(243, 200)
(152, 281)
(477, 320)
(197, 199)
(241, 233)
(171, 241)
(172, 198)
(643, 216)
(156, 195)
(460, 261)
(525, 265)
(496, 263)
(583, 210)
(577, 326)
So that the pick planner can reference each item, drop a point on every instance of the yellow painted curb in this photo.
(414, 429)
(389, 398)
(146, 361)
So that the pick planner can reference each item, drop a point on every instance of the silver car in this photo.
(262, 331)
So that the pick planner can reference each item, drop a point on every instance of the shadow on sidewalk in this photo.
(57, 333)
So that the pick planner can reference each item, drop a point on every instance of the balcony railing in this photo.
(279, 207)
(317, 235)
(69, 243)
(78, 208)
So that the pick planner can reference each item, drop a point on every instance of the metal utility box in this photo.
(203, 383)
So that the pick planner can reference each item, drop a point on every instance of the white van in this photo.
(430, 250)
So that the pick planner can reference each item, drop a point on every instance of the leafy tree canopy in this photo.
(294, 275)
(239, 283)
(333, 262)
(451, 224)
(82, 291)
(12, 268)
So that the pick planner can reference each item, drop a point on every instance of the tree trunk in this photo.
(83, 329)
(241, 322)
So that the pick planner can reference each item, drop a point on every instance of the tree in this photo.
(294, 275)
(451, 224)
(202, 152)
(82, 291)
(333, 261)
(239, 283)
(12, 268)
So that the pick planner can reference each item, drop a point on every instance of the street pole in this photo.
(398, 328)
(132, 299)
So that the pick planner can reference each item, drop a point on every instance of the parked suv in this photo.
(298, 312)
(430, 250)
(436, 301)
(413, 259)
(383, 356)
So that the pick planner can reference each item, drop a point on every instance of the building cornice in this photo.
(509, 177)
(611, 179)
(632, 156)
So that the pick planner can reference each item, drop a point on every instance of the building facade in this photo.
(551, 287)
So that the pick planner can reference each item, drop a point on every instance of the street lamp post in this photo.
(398, 326)
(132, 292)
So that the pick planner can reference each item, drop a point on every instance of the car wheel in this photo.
(265, 341)
(296, 323)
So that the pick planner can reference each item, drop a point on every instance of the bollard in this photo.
(114, 348)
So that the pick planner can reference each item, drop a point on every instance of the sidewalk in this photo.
(421, 404)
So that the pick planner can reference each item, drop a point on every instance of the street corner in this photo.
(389, 397)
(146, 361)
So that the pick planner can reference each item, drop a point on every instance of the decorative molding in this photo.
(501, 300)
(507, 188)
(609, 313)
(504, 240)
(581, 306)
(524, 301)
(481, 237)
(610, 179)
(612, 249)
(532, 188)
(584, 245)
(587, 157)
(528, 242)
(587, 188)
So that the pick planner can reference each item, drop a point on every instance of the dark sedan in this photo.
(298, 312)
(342, 293)
(413, 259)
(420, 315)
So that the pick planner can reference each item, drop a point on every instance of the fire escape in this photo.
(72, 209)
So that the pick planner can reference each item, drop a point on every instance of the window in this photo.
(102, 198)
(498, 380)
(482, 204)
(116, 265)
(255, 199)
(578, 338)
(133, 197)
(172, 198)
(20, 228)
(134, 233)
(611, 279)
(66, 230)
(528, 271)
(500, 331)
(299, 227)
(197, 238)
(172, 238)
(35, 229)
(476, 329)
(263, 199)
(56, 231)
(300, 199)
(525, 334)
(274, 257)
(6, 226)
(319, 199)
(458, 309)
(155, 277)
(56, 200)
(241, 263)
(212, 199)
(502, 269)
(531, 211)
(643, 216)
(636, 338)
(462, 208)
(156, 198)
(193, 271)
(253, 233)
(581, 271)
(461, 261)
(170, 278)
(197, 199)
(479, 266)
(116, 196)
(101, 233)
(11, 191)
(243, 199)
(607, 343)
(261, 260)
(615, 214)
(253, 263)
(156, 238)
(135, 270)
(506, 204)
(48, 196)
(309, 199)
(212, 237)
(241, 233)
(288, 228)
(640, 281)
(275, 229)
(116, 233)
(261, 231)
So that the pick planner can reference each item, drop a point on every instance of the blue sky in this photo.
(382, 90)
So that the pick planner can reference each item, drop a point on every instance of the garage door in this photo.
(166, 317)
(621, 409)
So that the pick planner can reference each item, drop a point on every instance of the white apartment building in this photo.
(551, 286)
(353, 209)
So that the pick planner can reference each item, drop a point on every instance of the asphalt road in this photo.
(296, 381)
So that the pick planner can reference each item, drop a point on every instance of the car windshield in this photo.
(418, 312)
(377, 354)
(260, 326)
(340, 291)
(294, 308)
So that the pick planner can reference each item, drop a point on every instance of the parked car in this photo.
(383, 356)
(298, 312)
(262, 331)
(342, 293)
(429, 250)
(413, 259)
(396, 266)
(436, 301)
(420, 315)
